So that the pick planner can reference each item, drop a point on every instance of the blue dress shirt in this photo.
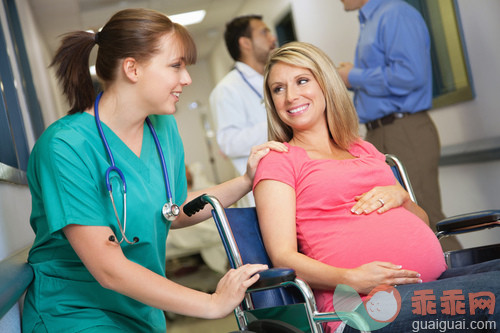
(392, 70)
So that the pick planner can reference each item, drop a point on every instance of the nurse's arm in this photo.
(227, 193)
(106, 262)
(231, 191)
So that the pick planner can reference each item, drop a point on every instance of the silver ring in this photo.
(381, 201)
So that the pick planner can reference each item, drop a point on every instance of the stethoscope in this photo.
(170, 210)
(250, 85)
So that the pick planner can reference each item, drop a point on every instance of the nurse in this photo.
(99, 264)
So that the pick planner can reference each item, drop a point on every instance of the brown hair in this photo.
(236, 28)
(128, 33)
(341, 115)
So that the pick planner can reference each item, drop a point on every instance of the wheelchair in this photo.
(281, 302)
(456, 225)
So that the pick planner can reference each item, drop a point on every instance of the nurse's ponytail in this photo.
(128, 33)
(72, 69)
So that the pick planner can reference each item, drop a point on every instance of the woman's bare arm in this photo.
(109, 266)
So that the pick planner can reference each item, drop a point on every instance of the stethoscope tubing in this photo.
(162, 159)
(108, 149)
(171, 209)
(248, 83)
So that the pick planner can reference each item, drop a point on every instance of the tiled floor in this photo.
(192, 325)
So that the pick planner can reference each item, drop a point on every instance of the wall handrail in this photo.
(15, 277)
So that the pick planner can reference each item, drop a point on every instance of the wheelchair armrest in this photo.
(469, 222)
(273, 277)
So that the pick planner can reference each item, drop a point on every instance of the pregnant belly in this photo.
(397, 236)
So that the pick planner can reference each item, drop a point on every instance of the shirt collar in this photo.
(246, 70)
(368, 9)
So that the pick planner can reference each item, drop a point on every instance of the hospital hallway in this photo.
(465, 113)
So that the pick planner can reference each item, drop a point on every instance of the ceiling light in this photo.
(189, 18)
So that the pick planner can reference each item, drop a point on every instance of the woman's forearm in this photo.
(362, 279)
(317, 274)
(150, 288)
(107, 263)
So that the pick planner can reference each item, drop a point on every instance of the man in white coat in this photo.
(237, 101)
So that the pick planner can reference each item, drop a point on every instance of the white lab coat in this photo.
(239, 114)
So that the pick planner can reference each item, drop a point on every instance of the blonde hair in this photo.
(341, 115)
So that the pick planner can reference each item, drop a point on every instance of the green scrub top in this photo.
(66, 175)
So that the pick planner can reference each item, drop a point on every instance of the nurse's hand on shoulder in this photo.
(258, 152)
(232, 287)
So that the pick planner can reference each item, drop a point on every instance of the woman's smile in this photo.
(299, 109)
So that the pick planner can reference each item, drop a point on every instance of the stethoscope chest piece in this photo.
(170, 211)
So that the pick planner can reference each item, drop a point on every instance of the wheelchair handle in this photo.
(195, 205)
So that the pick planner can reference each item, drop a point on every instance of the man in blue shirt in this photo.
(392, 82)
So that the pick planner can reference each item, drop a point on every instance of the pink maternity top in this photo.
(327, 230)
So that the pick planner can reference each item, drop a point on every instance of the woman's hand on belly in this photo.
(381, 199)
(368, 276)
(384, 198)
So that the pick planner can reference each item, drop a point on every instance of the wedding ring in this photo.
(381, 201)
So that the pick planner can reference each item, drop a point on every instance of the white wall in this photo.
(15, 209)
(479, 118)
(325, 24)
